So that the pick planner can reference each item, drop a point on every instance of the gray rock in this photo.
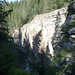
(72, 31)
(71, 8)
(70, 19)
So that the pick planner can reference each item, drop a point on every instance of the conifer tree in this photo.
(3, 22)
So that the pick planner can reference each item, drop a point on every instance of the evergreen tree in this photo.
(25, 10)
(3, 22)
(49, 5)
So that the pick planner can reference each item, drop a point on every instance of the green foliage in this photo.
(65, 32)
(65, 67)
(7, 48)
(3, 22)
(7, 57)
(25, 10)
(3, 29)
(8, 60)
(17, 71)
(58, 65)
(63, 54)
(51, 70)
(66, 28)
(60, 3)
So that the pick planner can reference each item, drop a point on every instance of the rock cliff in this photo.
(43, 32)
(41, 29)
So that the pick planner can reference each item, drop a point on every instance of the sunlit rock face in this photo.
(41, 30)
(42, 33)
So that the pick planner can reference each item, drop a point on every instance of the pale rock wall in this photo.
(41, 34)
(46, 23)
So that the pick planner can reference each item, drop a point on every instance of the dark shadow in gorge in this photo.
(41, 55)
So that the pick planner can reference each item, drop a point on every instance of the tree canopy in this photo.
(25, 10)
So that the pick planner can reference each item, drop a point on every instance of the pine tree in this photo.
(3, 22)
